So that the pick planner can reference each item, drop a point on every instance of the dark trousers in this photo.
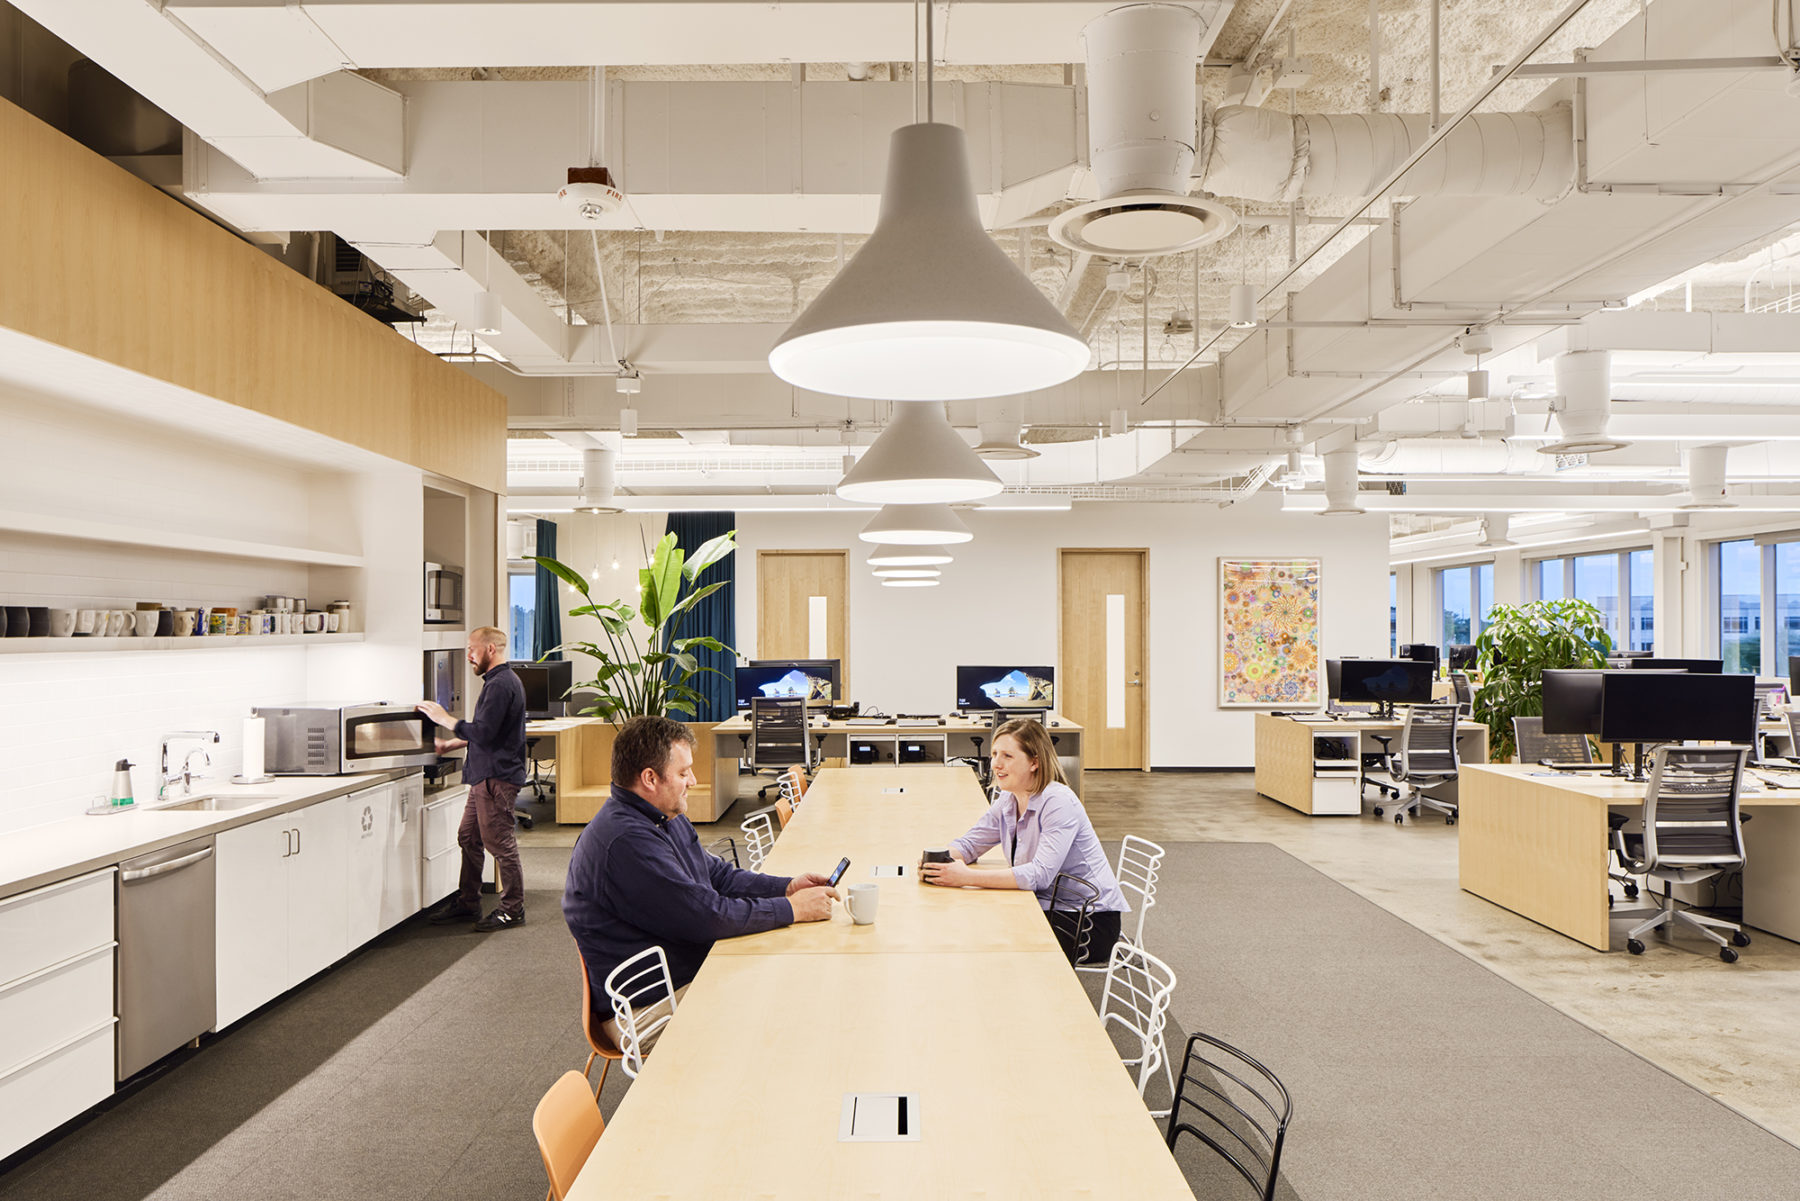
(487, 824)
(1103, 932)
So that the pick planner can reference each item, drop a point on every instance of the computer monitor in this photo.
(1421, 652)
(547, 686)
(1669, 706)
(1462, 656)
(1572, 700)
(1385, 681)
(1794, 675)
(1005, 686)
(816, 680)
(1334, 678)
(1697, 666)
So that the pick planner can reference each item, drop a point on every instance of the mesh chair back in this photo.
(759, 839)
(643, 1000)
(1465, 694)
(1071, 913)
(1140, 860)
(1535, 746)
(1138, 988)
(1691, 807)
(777, 732)
(1234, 1105)
(1428, 744)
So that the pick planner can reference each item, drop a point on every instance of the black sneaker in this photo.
(453, 911)
(499, 919)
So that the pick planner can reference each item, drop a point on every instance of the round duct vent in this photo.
(1140, 224)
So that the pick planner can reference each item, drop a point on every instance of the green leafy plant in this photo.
(652, 674)
(1515, 647)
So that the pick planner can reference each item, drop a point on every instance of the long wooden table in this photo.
(960, 998)
(1535, 842)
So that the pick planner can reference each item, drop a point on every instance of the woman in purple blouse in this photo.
(1039, 825)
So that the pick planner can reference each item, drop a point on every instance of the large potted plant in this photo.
(649, 674)
(1517, 645)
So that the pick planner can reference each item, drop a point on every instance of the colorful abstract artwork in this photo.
(1268, 632)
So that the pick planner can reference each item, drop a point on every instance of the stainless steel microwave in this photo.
(333, 740)
(443, 594)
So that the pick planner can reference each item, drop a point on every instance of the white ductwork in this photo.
(1494, 530)
(598, 481)
(1444, 456)
(1142, 137)
(1583, 404)
(1706, 478)
(1002, 433)
(1340, 484)
(1261, 154)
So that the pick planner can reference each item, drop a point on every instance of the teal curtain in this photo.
(715, 615)
(546, 630)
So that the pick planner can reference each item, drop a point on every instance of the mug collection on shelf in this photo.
(276, 615)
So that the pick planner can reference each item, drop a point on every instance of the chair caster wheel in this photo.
(1399, 819)
(1378, 811)
(1740, 939)
(1609, 900)
(1631, 890)
(1449, 821)
(1635, 946)
(526, 821)
(1728, 955)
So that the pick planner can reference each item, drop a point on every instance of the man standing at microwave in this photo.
(495, 770)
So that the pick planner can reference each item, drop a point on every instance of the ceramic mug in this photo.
(84, 621)
(315, 622)
(18, 621)
(62, 622)
(116, 621)
(184, 623)
(331, 623)
(861, 900)
(144, 622)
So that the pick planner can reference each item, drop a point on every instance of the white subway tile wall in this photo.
(66, 719)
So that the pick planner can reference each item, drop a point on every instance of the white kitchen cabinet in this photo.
(56, 1005)
(368, 814)
(401, 851)
(282, 908)
(441, 859)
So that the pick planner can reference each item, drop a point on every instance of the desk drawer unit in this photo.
(56, 1005)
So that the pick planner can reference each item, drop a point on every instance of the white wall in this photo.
(66, 716)
(999, 601)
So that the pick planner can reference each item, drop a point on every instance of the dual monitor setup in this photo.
(1652, 701)
(978, 688)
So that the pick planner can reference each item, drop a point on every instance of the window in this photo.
(1393, 613)
(1740, 605)
(1618, 583)
(521, 587)
(1787, 605)
(1464, 597)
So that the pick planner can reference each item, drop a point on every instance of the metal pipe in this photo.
(1374, 54)
(1437, 66)
(1648, 66)
(1549, 31)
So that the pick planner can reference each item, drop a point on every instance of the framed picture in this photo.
(1268, 633)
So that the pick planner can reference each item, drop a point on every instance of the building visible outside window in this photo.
(1740, 605)
(521, 587)
(1618, 583)
(1464, 595)
(1787, 605)
(1393, 613)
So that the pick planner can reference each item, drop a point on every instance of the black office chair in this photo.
(1692, 832)
(1427, 757)
(1071, 915)
(724, 847)
(1234, 1105)
(778, 737)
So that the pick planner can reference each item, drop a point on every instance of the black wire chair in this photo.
(724, 847)
(1071, 914)
(1222, 1076)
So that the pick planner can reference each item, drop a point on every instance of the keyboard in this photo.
(866, 721)
(1574, 766)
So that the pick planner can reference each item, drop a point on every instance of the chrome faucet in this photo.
(186, 774)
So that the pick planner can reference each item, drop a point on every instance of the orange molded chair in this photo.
(784, 812)
(598, 1044)
(797, 783)
(567, 1124)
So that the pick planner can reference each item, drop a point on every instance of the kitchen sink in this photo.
(215, 803)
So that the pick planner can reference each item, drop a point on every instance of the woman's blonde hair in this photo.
(1034, 741)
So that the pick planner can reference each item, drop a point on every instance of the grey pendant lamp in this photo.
(918, 459)
(930, 308)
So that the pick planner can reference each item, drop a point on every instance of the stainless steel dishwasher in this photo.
(167, 972)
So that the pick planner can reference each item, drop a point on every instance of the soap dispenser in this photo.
(121, 784)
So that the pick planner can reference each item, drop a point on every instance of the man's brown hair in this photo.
(645, 742)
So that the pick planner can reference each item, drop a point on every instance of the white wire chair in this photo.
(1138, 989)
(643, 1000)
(792, 788)
(1140, 865)
(759, 838)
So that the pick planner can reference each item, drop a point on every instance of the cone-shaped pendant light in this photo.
(930, 308)
(916, 525)
(918, 459)
(909, 556)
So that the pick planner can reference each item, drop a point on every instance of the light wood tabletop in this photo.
(949, 984)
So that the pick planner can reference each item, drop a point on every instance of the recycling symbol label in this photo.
(368, 822)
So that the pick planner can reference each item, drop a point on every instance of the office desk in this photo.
(1316, 767)
(769, 1040)
(955, 739)
(1537, 844)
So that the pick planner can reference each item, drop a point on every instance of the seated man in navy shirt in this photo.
(638, 877)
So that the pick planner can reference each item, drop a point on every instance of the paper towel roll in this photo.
(253, 748)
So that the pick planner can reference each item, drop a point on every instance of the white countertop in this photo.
(41, 855)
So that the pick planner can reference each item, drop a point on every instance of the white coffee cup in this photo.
(84, 621)
(184, 622)
(331, 623)
(315, 622)
(144, 622)
(62, 622)
(860, 900)
(117, 622)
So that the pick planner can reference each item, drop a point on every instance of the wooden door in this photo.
(800, 606)
(1101, 685)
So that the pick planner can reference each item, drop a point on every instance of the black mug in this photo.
(18, 621)
(38, 619)
(934, 857)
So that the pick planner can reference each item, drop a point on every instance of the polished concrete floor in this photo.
(1727, 1029)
